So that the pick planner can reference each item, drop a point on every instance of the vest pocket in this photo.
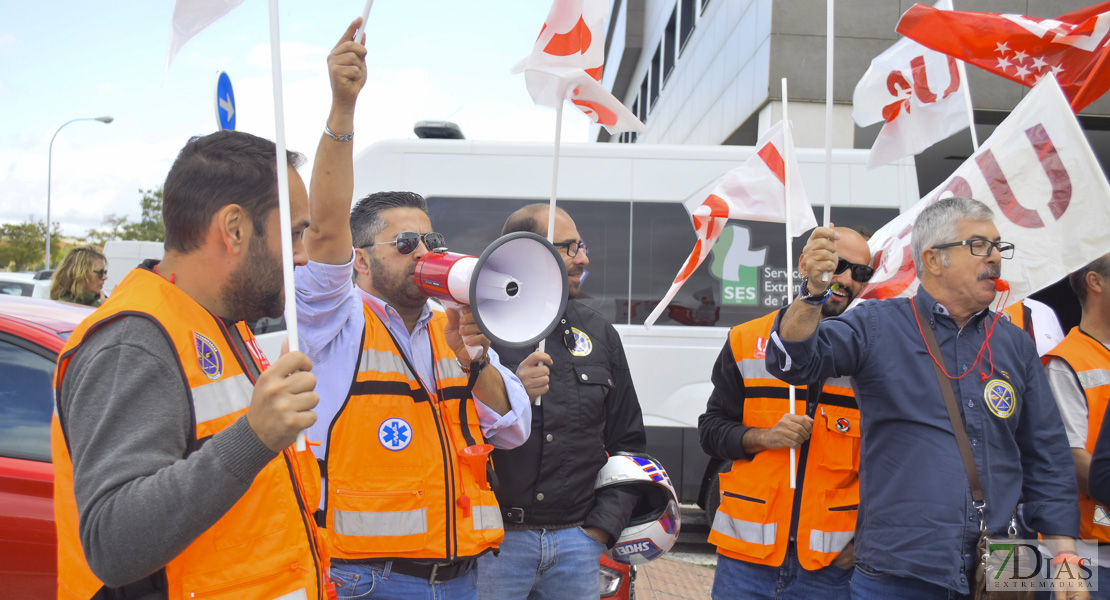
(379, 520)
(284, 581)
(745, 521)
(836, 438)
(245, 523)
(837, 524)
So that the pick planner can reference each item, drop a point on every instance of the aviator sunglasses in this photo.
(860, 273)
(407, 241)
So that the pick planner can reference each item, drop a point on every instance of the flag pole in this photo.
(365, 15)
(828, 126)
(967, 101)
(788, 151)
(554, 190)
(283, 193)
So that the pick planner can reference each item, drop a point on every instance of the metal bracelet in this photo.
(346, 137)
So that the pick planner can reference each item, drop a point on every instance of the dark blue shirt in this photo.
(916, 517)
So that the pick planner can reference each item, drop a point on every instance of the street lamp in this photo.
(49, 161)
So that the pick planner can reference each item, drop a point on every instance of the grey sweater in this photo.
(140, 499)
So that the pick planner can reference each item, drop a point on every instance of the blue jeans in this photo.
(542, 565)
(372, 581)
(870, 585)
(739, 579)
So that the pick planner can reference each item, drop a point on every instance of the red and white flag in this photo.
(917, 92)
(566, 64)
(190, 17)
(1048, 193)
(753, 191)
(1021, 48)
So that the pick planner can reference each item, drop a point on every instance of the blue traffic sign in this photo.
(225, 102)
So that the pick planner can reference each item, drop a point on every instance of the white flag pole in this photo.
(788, 151)
(554, 191)
(283, 193)
(828, 120)
(365, 15)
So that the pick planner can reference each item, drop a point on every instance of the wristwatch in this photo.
(474, 365)
(819, 298)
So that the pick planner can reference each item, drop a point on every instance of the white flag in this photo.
(918, 92)
(566, 64)
(190, 17)
(1045, 186)
(753, 191)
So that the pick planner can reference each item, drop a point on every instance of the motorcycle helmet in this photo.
(653, 527)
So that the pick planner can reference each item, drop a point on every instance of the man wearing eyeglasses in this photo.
(556, 526)
(406, 508)
(919, 522)
(774, 542)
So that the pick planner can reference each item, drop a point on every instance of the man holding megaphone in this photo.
(405, 409)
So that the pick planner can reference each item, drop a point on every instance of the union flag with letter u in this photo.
(1045, 186)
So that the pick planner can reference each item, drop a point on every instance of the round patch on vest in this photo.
(395, 434)
(1000, 398)
(843, 425)
(208, 357)
(582, 344)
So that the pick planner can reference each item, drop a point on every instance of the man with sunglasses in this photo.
(774, 542)
(586, 408)
(918, 523)
(404, 409)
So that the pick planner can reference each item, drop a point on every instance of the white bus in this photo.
(626, 200)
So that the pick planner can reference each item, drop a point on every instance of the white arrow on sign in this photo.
(229, 108)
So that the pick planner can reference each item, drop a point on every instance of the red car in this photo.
(32, 332)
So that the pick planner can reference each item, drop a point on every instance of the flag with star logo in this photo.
(1023, 49)
(566, 63)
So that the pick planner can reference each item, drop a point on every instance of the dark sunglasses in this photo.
(407, 241)
(101, 272)
(860, 273)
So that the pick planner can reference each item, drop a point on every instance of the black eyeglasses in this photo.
(982, 247)
(101, 272)
(571, 248)
(407, 241)
(860, 273)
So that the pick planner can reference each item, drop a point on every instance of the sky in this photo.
(62, 60)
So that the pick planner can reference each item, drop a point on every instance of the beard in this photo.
(574, 287)
(256, 287)
(835, 310)
(396, 291)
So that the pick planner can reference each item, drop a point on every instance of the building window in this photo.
(644, 99)
(655, 72)
(669, 46)
(704, 3)
(686, 22)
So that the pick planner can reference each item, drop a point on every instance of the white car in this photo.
(34, 285)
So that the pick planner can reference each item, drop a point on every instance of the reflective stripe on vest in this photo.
(222, 398)
(382, 362)
(487, 517)
(376, 524)
(754, 368)
(747, 531)
(1093, 378)
(300, 594)
(829, 541)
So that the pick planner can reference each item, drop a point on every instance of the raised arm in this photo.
(818, 257)
(328, 237)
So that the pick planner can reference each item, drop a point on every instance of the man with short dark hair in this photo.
(174, 475)
(405, 411)
(556, 525)
(772, 541)
(1078, 372)
(918, 527)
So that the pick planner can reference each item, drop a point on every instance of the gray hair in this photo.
(366, 217)
(937, 225)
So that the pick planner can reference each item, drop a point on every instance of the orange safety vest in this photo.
(1018, 314)
(754, 519)
(399, 482)
(1090, 360)
(265, 546)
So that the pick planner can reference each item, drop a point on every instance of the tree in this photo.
(23, 245)
(149, 228)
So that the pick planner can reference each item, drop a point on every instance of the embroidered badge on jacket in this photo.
(208, 357)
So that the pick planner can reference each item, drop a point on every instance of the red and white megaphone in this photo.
(516, 290)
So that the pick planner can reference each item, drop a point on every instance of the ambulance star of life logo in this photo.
(1000, 398)
(395, 434)
(208, 357)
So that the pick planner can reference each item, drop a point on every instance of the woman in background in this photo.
(80, 278)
